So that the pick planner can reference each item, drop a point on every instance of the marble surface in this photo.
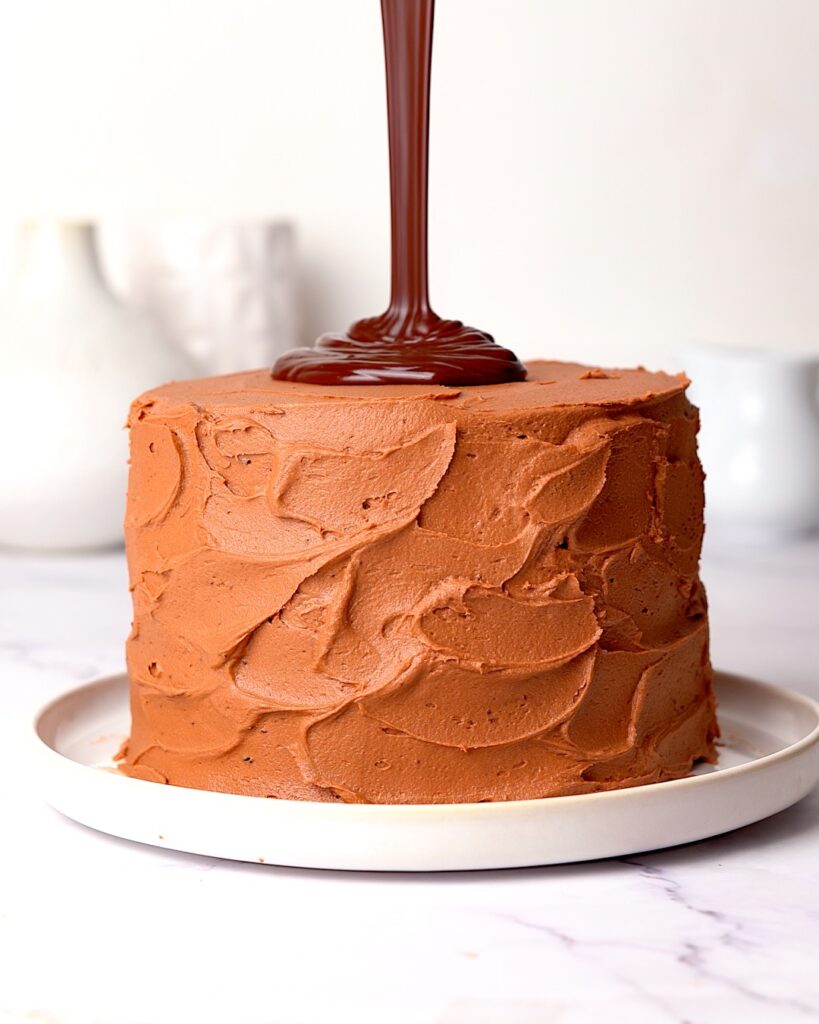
(95, 930)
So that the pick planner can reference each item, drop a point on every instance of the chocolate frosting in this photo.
(417, 594)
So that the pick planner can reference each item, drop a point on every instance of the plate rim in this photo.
(44, 750)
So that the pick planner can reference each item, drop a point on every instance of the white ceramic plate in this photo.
(768, 761)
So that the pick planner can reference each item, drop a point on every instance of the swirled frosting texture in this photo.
(417, 594)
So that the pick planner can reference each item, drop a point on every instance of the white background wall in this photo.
(608, 176)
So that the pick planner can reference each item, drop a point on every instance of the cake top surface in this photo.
(549, 384)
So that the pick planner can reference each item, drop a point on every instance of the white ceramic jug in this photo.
(759, 439)
(71, 360)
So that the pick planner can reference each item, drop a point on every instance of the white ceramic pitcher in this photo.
(71, 360)
(759, 439)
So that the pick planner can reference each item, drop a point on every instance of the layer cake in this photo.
(412, 594)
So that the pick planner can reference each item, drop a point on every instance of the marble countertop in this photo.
(95, 930)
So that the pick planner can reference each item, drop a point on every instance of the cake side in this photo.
(411, 594)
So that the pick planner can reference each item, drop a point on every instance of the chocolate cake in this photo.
(403, 567)
(417, 593)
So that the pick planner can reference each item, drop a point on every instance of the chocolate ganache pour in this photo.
(408, 343)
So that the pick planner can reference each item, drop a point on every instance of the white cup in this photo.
(759, 439)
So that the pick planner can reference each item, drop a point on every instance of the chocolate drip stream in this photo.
(408, 343)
